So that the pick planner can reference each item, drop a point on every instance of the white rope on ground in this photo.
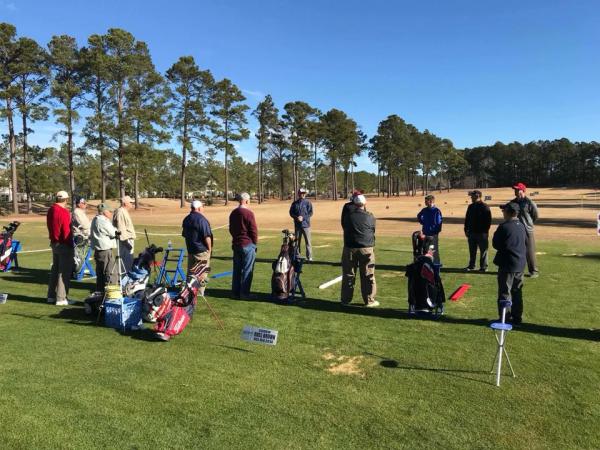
(36, 251)
(179, 234)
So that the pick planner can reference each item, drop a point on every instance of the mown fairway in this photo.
(403, 383)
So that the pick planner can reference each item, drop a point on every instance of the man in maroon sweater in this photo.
(244, 237)
(60, 232)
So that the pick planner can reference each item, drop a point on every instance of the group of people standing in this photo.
(514, 241)
(103, 233)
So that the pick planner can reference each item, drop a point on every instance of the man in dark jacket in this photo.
(358, 253)
(244, 237)
(430, 218)
(528, 214)
(198, 238)
(301, 211)
(510, 242)
(477, 226)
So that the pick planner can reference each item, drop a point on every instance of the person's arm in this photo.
(310, 209)
(488, 218)
(65, 226)
(467, 220)
(252, 229)
(533, 211)
(420, 217)
(293, 212)
(498, 239)
(207, 232)
(438, 220)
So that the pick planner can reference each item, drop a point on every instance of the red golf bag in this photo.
(6, 250)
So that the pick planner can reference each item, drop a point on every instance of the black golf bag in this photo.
(6, 238)
(287, 268)
(425, 288)
(421, 244)
(137, 278)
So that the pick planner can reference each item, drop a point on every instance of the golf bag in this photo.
(425, 288)
(286, 271)
(137, 278)
(173, 315)
(421, 244)
(6, 250)
(81, 246)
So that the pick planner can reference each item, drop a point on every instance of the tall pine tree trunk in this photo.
(26, 164)
(136, 174)
(183, 164)
(226, 168)
(70, 155)
(13, 155)
(315, 169)
(259, 190)
(281, 177)
(121, 149)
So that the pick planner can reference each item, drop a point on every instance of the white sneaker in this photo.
(372, 304)
(51, 300)
(64, 302)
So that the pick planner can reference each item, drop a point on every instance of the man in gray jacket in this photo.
(528, 214)
(103, 240)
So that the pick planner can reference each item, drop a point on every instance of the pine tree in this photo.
(267, 115)
(230, 120)
(191, 93)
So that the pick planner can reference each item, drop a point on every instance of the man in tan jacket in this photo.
(122, 222)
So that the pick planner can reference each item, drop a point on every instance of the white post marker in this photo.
(330, 282)
(598, 226)
(260, 335)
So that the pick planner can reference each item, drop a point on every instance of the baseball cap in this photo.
(104, 207)
(81, 200)
(359, 200)
(430, 197)
(475, 192)
(244, 196)
(126, 199)
(511, 207)
(196, 204)
(302, 191)
(61, 195)
(520, 187)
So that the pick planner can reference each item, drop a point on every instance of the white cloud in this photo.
(255, 94)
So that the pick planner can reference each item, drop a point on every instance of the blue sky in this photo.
(472, 71)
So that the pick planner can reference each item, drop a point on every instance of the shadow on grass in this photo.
(27, 275)
(401, 314)
(389, 363)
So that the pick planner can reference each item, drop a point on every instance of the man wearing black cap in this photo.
(477, 226)
(510, 242)
(528, 214)
(301, 211)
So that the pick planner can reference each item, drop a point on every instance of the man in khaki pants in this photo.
(122, 222)
(358, 253)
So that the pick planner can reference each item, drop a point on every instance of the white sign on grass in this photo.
(260, 335)
(598, 224)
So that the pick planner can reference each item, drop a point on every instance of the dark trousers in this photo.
(125, 251)
(478, 241)
(61, 272)
(243, 270)
(510, 288)
(303, 233)
(531, 259)
(106, 269)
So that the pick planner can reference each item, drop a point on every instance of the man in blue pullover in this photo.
(430, 218)
(301, 211)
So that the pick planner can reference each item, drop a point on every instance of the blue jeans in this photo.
(243, 269)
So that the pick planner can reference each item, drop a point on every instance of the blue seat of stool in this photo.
(501, 326)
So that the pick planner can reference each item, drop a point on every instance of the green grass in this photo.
(66, 383)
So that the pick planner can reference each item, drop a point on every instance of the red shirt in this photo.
(242, 227)
(58, 221)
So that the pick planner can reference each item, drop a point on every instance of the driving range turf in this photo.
(337, 378)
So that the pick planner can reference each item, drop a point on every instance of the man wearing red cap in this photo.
(528, 214)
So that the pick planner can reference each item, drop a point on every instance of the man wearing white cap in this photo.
(122, 222)
(198, 237)
(358, 253)
(102, 240)
(58, 221)
(301, 211)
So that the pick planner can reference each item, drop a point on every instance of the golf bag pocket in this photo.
(155, 303)
(173, 322)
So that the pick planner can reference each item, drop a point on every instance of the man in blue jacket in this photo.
(301, 211)
(198, 237)
(430, 218)
(510, 242)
